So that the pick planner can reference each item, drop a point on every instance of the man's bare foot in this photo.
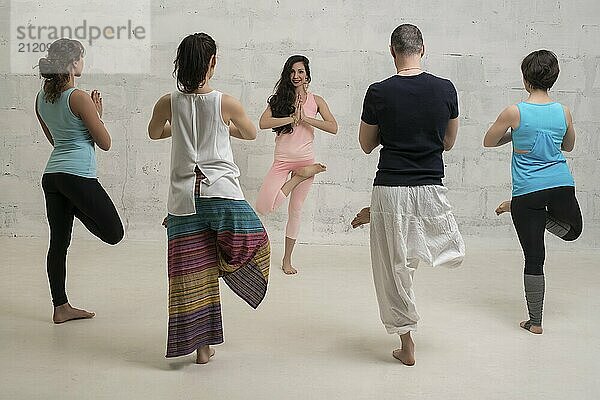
(503, 207)
(65, 312)
(203, 354)
(406, 354)
(363, 217)
(536, 329)
(310, 170)
(288, 269)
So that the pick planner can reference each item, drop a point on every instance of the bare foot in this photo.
(405, 356)
(503, 207)
(536, 329)
(310, 170)
(288, 269)
(65, 312)
(363, 217)
(203, 354)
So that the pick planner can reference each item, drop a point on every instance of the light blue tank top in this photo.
(74, 151)
(541, 131)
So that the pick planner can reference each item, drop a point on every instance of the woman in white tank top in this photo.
(212, 231)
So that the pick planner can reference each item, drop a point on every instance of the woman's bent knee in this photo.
(572, 235)
(115, 236)
(261, 209)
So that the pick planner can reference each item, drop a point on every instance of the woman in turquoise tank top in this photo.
(70, 119)
(543, 194)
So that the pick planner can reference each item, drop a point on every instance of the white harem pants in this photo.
(409, 224)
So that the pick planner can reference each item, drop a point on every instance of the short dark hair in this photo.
(407, 40)
(540, 69)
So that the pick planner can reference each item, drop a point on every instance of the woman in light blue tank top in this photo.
(543, 189)
(70, 119)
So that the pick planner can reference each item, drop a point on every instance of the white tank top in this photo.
(200, 138)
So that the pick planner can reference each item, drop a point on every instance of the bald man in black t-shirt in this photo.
(413, 115)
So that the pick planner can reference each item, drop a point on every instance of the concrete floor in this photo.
(316, 336)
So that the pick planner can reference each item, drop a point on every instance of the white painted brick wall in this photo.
(477, 44)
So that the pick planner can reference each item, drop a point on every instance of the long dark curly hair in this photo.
(55, 68)
(193, 61)
(283, 100)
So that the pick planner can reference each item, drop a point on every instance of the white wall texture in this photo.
(477, 44)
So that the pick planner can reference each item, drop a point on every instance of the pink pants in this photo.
(270, 195)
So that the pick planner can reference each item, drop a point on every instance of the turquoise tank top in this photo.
(74, 151)
(541, 131)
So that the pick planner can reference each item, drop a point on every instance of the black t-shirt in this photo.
(412, 113)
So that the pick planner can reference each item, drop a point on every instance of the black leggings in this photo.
(69, 196)
(531, 211)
